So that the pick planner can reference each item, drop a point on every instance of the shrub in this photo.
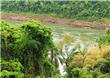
(11, 69)
(105, 39)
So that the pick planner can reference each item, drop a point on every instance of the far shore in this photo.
(56, 20)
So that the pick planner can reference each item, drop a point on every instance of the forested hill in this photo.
(69, 9)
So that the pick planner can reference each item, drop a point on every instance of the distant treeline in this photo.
(69, 9)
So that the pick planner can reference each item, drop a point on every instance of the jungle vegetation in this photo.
(28, 49)
(25, 54)
(83, 10)
(25, 49)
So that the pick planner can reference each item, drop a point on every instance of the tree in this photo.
(29, 43)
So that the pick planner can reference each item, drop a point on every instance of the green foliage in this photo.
(101, 67)
(41, 76)
(104, 75)
(57, 76)
(75, 73)
(12, 68)
(49, 67)
(105, 68)
(85, 10)
(13, 65)
(35, 36)
(85, 73)
(105, 39)
(7, 39)
(29, 42)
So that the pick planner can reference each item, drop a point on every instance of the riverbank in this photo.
(56, 20)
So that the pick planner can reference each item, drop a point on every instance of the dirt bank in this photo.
(55, 20)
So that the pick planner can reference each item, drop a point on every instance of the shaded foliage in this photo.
(29, 43)
(105, 39)
(11, 69)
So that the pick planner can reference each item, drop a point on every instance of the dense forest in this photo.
(25, 54)
(29, 50)
(86, 10)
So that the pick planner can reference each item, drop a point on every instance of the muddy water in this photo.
(79, 33)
